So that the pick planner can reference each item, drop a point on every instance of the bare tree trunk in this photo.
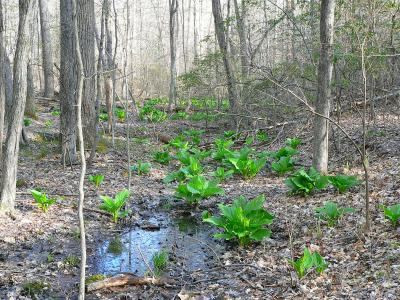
(46, 49)
(2, 81)
(100, 64)
(30, 109)
(240, 14)
(183, 36)
(68, 84)
(108, 84)
(86, 23)
(8, 82)
(81, 76)
(195, 34)
(16, 113)
(321, 125)
(173, 8)
(219, 30)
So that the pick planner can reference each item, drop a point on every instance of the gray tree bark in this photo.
(79, 94)
(321, 125)
(47, 55)
(16, 113)
(230, 77)
(195, 34)
(173, 8)
(2, 81)
(86, 28)
(30, 109)
(68, 84)
(240, 14)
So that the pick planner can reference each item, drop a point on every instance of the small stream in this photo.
(189, 244)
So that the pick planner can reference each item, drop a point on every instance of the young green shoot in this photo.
(308, 261)
(331, 212)
(42, 201)
(243, 221)
(96, 179)
(114, 206)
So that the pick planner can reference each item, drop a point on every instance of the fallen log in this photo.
(125, 279)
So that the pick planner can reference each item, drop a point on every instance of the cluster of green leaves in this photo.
(121, 114)
(283, 165)
(392, 213)
(293, 142)
(261, 136)
(191, 166)
(34, 289)
(141, 168)
(286, 151)
(308, 261)
(222, 149)
(180, 115)
(150, 113)
(331, 212)
(42, 201)
(194, 135)
(72, 260)
(179, 142)
(114, 206)
(162, 157)
(221, 174)
(27, 122)
(343, 182)
(303, 183)
(96, 179)
(197, 188)
(48, 123)
(202, 116)
(103, 117)
(245, 165)
(56, 113)
(243, 221)
(160, 262)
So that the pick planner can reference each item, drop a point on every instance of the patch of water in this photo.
(189, 244)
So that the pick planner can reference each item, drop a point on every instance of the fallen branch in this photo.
(125, 279)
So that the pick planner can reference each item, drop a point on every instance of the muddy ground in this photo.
(39, 247)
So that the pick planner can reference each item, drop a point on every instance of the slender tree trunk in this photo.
(195, 34)
(100, 64)
(16, 113)
(240, 14)
(30, 108)
(8, 82)
(47, 55)
(86, 23)
(2, 81)
(108, 84)
(173, 8)
(183, 36)
(230, 77)
(321, 125)
(81, 76)
(68, 84)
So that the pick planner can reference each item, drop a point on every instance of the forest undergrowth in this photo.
(39, 251)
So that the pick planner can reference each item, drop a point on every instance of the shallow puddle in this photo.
(188, 243)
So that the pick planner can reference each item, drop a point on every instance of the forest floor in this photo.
(43, 248)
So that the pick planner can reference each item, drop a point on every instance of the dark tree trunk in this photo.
(16, 113)
(321, 124)
(30, 109)
(86, 23)
(68, 85)
(230, 77)
(47, 55)
(173, 8)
